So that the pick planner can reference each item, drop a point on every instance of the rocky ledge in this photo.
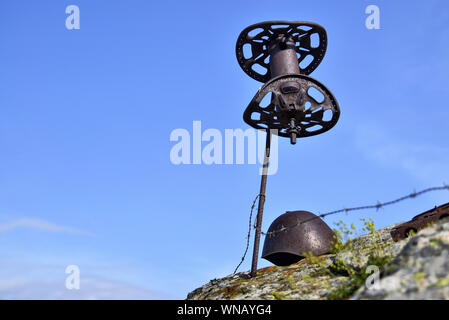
(414, 268)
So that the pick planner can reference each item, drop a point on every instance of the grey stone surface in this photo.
(418, 268)
(419, 271)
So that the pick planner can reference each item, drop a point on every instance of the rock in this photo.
(414, 268)
(311, 278)
(419, 271)
(292, 282)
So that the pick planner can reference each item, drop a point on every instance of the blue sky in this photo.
(86, 116)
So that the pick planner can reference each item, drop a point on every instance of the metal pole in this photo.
(263, 185)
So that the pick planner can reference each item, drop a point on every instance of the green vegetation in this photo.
(291, 283)
(277, 295)
(418, 277)
(357, 278)
(441, 283)
(437, 243)
(343, 242)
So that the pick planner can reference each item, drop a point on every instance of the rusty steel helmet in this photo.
(286, 247)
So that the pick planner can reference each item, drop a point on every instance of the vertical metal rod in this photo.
(263, 185)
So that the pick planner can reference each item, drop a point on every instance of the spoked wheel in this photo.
(253, 46)
(293, 103)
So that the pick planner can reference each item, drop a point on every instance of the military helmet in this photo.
(286, 247)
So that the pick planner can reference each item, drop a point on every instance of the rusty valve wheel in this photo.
(256, 46)
(296, 105)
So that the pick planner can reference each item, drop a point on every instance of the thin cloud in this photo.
(41, 225)
(91, 288)
(43, 277)
(426, 163)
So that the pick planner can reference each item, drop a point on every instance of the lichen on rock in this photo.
(414, 268)
(419, 271)
(311, 278)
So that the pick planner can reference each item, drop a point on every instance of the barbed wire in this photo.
(248, 237)
(376, 206)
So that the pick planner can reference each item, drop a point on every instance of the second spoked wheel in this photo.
(293, 103)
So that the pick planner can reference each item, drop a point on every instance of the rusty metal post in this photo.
(263, 185)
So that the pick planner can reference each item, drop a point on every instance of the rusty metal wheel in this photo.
(252, 48)
(293, 102)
